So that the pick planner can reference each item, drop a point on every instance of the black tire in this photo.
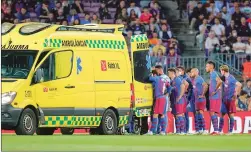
(144, 127)
(45, 131)
(109, 123)
(67, 131)
(95, 131)
(27, 124)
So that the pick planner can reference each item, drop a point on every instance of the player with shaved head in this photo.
(199, 90)
(214, 95)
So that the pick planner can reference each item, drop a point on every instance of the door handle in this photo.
(69, 87)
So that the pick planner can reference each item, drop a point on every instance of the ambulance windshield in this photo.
(142, 65)
(17, 64)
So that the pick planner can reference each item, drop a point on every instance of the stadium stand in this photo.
(217, 29)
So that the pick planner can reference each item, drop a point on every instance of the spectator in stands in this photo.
(210, 44)
(66, 7)
(44, 11)
(247, 87)
(242, 103)
(60, 17)
(160, 58)
(239, 47)
(4, 6)
(200, 38)
(56, 8)
(237, 16)
(78, 6)
(197, 11)
(135, 8)
(243, 29)
(152, 24)
(165, 34)
(182, 4)
(72, 17)
(103, 12)
(133, 15)
(51, 19)
(232, 39)
(159, 46)
(18, 6)
(248, 46)
(123, 15)
(23, 16)
(8, 16)
(222, 20)
(218, 28)
(246, 66)
(65, 22)
(172, 58)
(211, 19)
(145, 16)
(246, 10)
(95, 19)
(213, 9)
(226, 15)
(137, 28)
(76, 22)
(156, 11)
(153, 41)
(153, 58)
(119, 9)
(198, 22)
(86, 20)
(230, 28)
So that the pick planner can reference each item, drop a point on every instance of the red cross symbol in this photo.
(103, 65)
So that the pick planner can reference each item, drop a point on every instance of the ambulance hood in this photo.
(11, 84)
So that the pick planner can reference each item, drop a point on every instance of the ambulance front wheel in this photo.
(27, 124)
(109, 123)
(67, 131)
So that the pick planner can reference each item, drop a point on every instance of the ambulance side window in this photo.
(58, 65)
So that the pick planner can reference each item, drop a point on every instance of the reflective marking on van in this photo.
(108, 44)
(63, 121)
(139, 38)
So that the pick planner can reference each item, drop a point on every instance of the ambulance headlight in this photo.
(7, 27)
(8, 97)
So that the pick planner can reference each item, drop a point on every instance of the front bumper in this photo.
(10, 116)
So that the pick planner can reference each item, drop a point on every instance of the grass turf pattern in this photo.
(125, 143)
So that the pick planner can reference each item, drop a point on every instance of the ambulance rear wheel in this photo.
(45, 131)
(67, 131)
(27, 123)
(109, 123)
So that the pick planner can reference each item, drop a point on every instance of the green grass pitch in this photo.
(125, 143)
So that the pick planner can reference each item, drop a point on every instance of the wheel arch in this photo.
(35, 110)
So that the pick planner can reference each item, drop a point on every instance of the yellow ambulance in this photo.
(69, 77)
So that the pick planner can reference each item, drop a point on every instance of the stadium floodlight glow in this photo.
(8, 97)
(7, 27)
(33, 28)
